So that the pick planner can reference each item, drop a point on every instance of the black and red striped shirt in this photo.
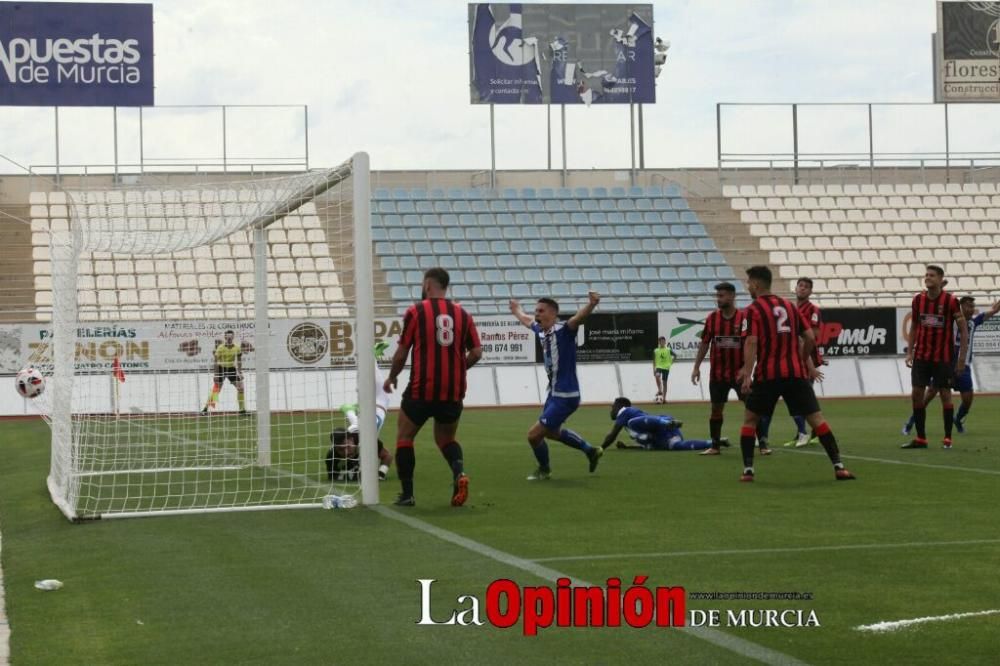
(727, 345)
(777, 325)
(932, 320)
(813, 317)
(440, 332)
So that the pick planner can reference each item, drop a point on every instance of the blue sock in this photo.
(800, 423)
(763, 426)
(691, 445)
(571, 439)
(962, 411)
(542, 454)
(909, 424)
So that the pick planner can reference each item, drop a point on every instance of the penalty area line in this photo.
(895, 625)
(889, 461)
(740, 646)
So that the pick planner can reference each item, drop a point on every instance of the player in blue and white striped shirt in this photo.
(962, 382)
(558, 340)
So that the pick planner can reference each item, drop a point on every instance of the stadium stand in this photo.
(642, 246)
(208, 282)
(868, 244)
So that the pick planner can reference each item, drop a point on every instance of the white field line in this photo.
(4, 622)
(740, 646)
(760, 551)
(889, 461)
(886, 627)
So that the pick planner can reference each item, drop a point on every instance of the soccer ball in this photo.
(29, 383)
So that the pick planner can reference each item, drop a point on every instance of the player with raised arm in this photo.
(963, 380)
(227, 365)
(930, 354)
(723, 335)
(558, 340)
(445, 345)
(774, 366)
(651, 432)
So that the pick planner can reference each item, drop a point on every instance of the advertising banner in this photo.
(985, 341)
(966, 53)
(858, 332)
(605, 337)
(76, 54)
(682, 331)
(561, 54)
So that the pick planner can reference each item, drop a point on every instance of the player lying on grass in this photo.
(342, 459)
(351, 412)
(651, 432)
(963, 380)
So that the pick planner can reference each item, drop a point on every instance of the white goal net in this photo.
(188, 363)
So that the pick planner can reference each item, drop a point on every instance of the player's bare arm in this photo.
(520, 314)
(696, 371)
(963, 346)
(593, 298)
(612, 436)
(749, 358)
(398, 363)
(473, 356)
(909, 339)
(992, 311)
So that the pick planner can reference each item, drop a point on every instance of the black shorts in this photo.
(938, 374)
(798, 394)
(662, 374)
(222, 374)
(718, 391)
(419, 411)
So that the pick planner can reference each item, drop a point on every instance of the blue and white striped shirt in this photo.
(559, 356)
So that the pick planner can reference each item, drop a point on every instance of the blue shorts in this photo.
(557, 410)
(963, 382)
(654, 432)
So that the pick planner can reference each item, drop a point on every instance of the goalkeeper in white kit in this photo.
(351, 412)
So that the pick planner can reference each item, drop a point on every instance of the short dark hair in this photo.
(761, 274)
(551, 303)
(726, 286)
(439, 275)
(661, 338)
(808, 281)
(228, 331)
(936, 269)
(618, 405)
(966, 299)
(338, 436)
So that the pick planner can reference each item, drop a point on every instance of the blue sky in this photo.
(391, 78)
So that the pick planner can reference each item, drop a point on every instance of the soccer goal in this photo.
(188, 361)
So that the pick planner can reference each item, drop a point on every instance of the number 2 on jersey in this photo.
(782, 316)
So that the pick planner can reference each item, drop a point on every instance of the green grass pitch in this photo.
(340, 587)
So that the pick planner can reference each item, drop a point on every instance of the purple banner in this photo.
(76, 54)
(592, 54)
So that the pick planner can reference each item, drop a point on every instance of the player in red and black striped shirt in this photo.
(810, 311)
(445, 345)
(723, 334)
(929, 351)
(772, 328)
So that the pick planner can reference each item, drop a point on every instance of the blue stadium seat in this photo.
(579, 219)
(467, 261)
(498, 206)
(486, 260)
(461, 247)
(604, 231)
(461, 291)
(436, 233)
(448, 261)
(539, 290)
(658, 288)
(454, 233)
(474, 233)
(475, 193)
(568, 232)
(706, 272)
(560, 290)
(402, 248)
(416, 233)
(601, 259)
(400, 193)
(546, 193)
(485, 220)
(441, 247)
(570, 274)
(590, 205)
(385, 206)
(688, 217)
(580, 260)
(688, 244)
(381, 193)
(598, 218)
(390, 262)
(624, 231)
(576, 245)
(479, 206)
(379, 234)
(608, 205)
(640, 259)
(500, 247)
(705, 244)
(677, 259)
(536, 205)
(633, 218)
(611, 273)
(535, 274)
(519, 247)
(581, 192)
(614, 245)
(649, 273)
(405, 207)
(599, 192)
(501, 290)
(651, 218)
(505, 220)
(578, 289)
(461, 207)
(528, 193)
(520, 291)
(643, 204)
(630, 273)
(696, 259)
(686, 273)
(474, 276)
(553, 205)
(555, 245)
(400, 293)
(676, 288)
(591, 274)
(509, 193)
(726, 273)
(455, 193)
(672, 190)
(506, 261)
(525, 260)
(658, 259)
(517, 206)
(481, 291)
(394, 277)
(426, 261)
(530, 233)
(492, 233)
(425, 207)
(638, 289)
(480, 247)
(669, 244)
(668, 273)
(643, 231)
(421, 248)
(564, 193)
(513, 275)
(594, 245)
(696, 231)
(617, 192)
(570, 205)
(391, 221)
(619, 289)
(616, 218)
(659, 230)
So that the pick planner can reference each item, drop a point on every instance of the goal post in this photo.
(213, 302)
